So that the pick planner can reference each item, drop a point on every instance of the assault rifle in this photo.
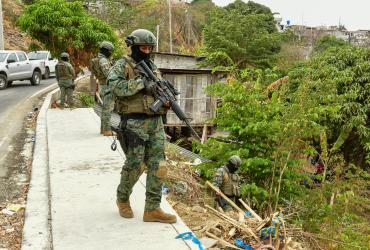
(164, 93)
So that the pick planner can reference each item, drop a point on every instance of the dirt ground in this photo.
(14, 187)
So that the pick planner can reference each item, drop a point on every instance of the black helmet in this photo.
(141, 37)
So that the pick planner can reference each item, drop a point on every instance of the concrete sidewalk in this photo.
(83, 174)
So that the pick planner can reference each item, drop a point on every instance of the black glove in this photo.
(150, 86)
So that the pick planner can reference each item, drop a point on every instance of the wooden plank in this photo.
(262, 224)
(233, 222)
(222, 241)
(254, 214)
(204, 134)
(225, 197)
(189, 94)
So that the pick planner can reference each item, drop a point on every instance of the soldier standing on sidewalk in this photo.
(142, 133)
(65, 75)
(100, 67)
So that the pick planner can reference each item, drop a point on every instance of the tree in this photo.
(335, 85)
(322, 110)
(66, 26)
(326, 42)
(241, 37)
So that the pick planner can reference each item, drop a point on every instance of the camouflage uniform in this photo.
(229, 184)
(143, 134)
(100, 67)
(65, 75)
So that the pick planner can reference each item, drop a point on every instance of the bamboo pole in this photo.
(222, 241)
(225, 197)
(255, 215)
(233, 222)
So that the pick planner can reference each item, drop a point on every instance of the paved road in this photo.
(15, 103)
(17, 93)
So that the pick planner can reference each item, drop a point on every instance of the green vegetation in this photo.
(321, 110)
(326, 42)
(65, 26)
(242, 35)
(86, 100)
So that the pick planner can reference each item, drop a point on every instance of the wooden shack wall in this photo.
(192, 99)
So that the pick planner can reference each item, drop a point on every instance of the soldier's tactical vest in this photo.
(140, 102)
(63, 71)
(231, 184)
(96, 70)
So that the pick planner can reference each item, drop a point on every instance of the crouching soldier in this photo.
(228, 182)
(65, 75)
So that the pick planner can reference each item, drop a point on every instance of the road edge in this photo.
(37, 229)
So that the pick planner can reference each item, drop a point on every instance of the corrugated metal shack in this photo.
(190, 79)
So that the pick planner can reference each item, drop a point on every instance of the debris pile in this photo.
(242, 228)
(11, 223)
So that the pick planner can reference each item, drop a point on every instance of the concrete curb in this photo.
(36, 230)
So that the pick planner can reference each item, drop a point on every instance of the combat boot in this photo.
(124, 209)
(159, 216)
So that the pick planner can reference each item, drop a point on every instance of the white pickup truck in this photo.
(45, 57)
(15, 65)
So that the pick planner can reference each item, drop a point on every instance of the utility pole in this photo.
(157, 47)
(1, 27)
(170, 23)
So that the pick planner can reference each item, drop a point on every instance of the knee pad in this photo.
(162, 170)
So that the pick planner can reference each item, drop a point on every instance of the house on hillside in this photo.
(191, 80)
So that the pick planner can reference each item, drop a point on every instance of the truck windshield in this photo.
(37, 56)
(3, 56)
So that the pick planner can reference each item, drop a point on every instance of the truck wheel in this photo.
(47, 73)
(3, 83)
(36, 78)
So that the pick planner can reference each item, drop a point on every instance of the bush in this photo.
(86, 100)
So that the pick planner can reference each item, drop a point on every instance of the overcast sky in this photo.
(354, 14)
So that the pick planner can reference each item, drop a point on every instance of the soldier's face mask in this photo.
(139, 55)
(232, 168)
(106, 52)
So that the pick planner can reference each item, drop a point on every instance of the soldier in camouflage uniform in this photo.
(228, 182)
(100, 67)
(142, 134)
(65, 75)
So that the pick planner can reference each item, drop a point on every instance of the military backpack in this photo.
(95, 68)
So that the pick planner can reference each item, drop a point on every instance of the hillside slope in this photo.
(13, 37)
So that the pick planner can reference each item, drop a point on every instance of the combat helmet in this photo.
(106, 45)
(64, 55)
(141, 37)
(235, 160)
